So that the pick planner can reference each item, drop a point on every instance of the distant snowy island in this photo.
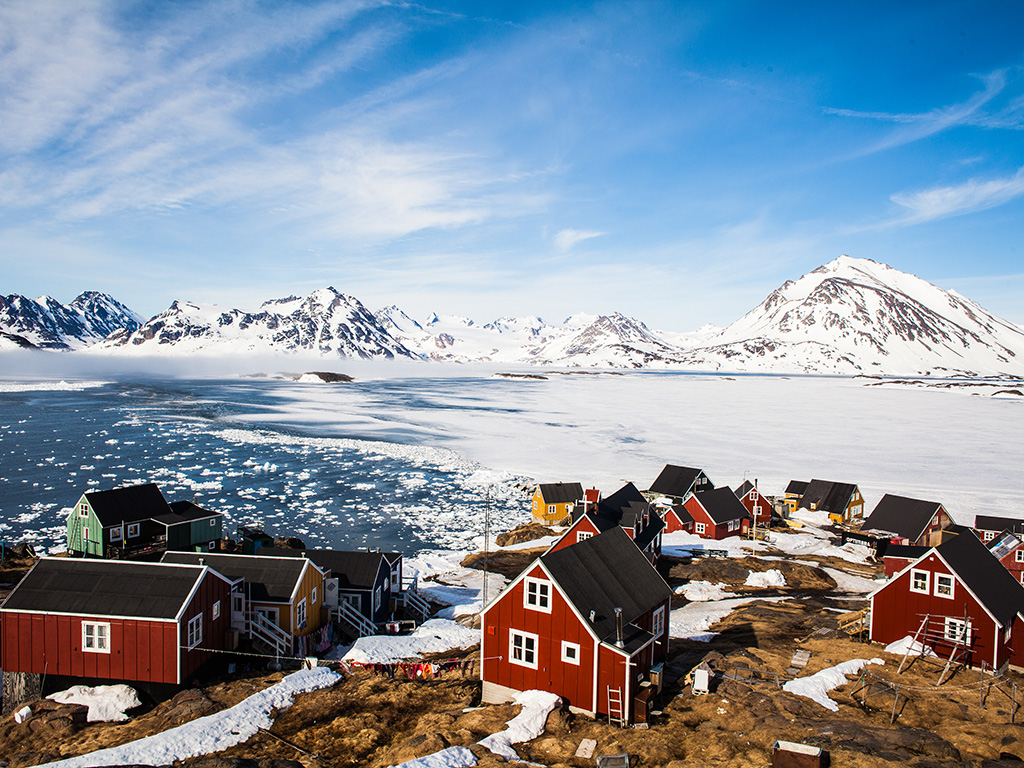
(848, 317)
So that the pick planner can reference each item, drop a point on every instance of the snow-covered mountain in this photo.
(859, 316)
(326, 322)
(47, 324)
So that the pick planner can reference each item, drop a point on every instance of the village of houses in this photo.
(677, 624)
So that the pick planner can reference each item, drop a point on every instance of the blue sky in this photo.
(671, 161)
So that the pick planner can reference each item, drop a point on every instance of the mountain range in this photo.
(850, 316)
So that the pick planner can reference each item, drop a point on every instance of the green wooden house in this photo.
(108, 523)
(189, 528)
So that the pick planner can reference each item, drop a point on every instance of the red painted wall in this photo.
(897, 612)
(712, 530)
(569, 537)
(765, 515)
(140, 649)
(673, 523)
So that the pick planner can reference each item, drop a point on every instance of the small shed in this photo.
(189, 527)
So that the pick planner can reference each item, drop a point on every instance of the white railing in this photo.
(362, 626)
(412, 600)
(270, 633)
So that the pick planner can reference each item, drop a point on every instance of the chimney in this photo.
(618, 628)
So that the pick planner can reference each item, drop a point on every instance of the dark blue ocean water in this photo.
(248, 449)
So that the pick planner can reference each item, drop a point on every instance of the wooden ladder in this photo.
(615, 710)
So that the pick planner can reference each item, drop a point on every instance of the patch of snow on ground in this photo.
(703, 591)
(770, 578)
(908, 644)
(693, 621)
(453, 757)
(440, 578)
(106, 703)
(212, 733)
(817, 686)
(433, 636)
(50, 386)
(528, 724)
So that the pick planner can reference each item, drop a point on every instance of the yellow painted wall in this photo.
(540, 510)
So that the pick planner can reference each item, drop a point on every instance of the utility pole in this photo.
(487, 545)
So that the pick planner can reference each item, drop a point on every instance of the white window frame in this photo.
(300, 614)
(133, 530)
(584, 535)
(926, 588)
(757, 510)
(571, 653)
(212, 545)
(195, 631)
(115, 534)
(213, 522)
(377, 594)
(519, 653)
(96, 636)
(1018, 556)
(940, 579)
(658, 621)
(1022, 577)
(537, 594)
(988, 535)
(83, 510)
(551, 509)
(953, 627)
(699, 528)
(215, 611)
(753, 496)
(312, 597)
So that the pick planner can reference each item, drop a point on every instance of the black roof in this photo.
(675, 481)
(898, 514)
(985, 576)
(561, 493)
(797, 487)
(616, 505)
(682, 513)
(744, 489)
(184, 512)
(991, 523)
(828, 496)
(269, 579)
(722, 505)
(606, 572)
(649, 533)
(904, 551)
(127, 505)
(601, 523)
(353, 569)
(104, 588)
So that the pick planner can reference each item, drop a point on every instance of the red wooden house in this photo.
(896, 557)
(1008, 549)
(677, 518)
(989, 526)
(908, 521)
(114, 620)
(587, 622)
(959, 600)
(717, 514)
(757, 506)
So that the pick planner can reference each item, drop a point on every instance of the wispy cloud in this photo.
(566, 239)
(969, 197)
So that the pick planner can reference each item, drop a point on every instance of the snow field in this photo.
(817, 686)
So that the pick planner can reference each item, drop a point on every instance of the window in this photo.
(957, 630)
(213, 522)
(753, 496)
(83, 510)
(551, 509)
(734, 524)
(133, 530)
(919, 581)
(535, 505)
(86, 532)
(237, 603)
(757, 509)
(312, 597)
(1022, 577)
(584, 535)
(215, 613)
(699, 528)
(943, 585)
(1019, 555)
(522, 649)
(376, 599)
(195, 631)
(300, 613)
(570, 653)
(212, 545)
(537, 595)
(96, 637)
(989, 535)
(115, 534)
(658, 621)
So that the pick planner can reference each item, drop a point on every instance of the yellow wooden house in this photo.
(842, 501)
(553, 503)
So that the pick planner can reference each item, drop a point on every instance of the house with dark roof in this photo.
(1008, 549)
(717, 514)
(990, 526)
(630, 510)
(958, 599)
(896, 557)
(277, 600)
(676, 518)
(588, 622)
(908, 521)
(842, 501)
(102, 522)
(677, 483)
(555, 502)
(758, 506)
(644, 531)
(114, 620)
(189, 527)
(794, 492)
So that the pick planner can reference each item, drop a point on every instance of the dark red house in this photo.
(757, 506)
(955, 591)
(587, 622)
(990, 526)
(717, 514)
(1008, 549)
(677, 518)
(114, 620)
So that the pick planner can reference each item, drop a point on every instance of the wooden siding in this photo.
(673, 523)
(313, 579)
(765, 515)
(571, 536)
(896, 612)
(540, 509)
